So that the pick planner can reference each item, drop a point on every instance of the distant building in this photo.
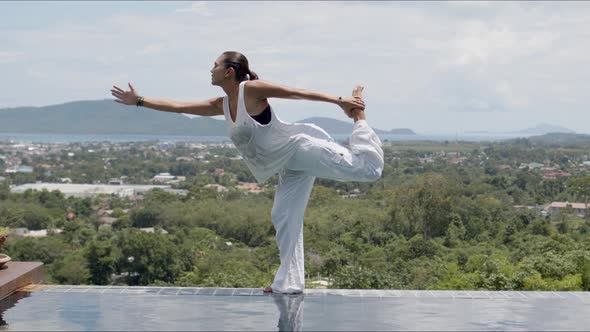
(2, 179)
(34, 233)
(163, 177)
(217, 187)
(354, 193)
(153, 230)
(106, 220)
(456, 160)
(579, 208)
(181, 192)
(44, 166)
(531, 165)
(89, 190)
(426, 160)
(24, 169)
(136, 198)
(555, 175)
(116, 181)
(251, 187)
(528, 207)
(70, 215)
(38, 233)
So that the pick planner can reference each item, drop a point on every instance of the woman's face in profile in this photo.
(218, 71)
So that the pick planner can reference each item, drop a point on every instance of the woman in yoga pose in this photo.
(297, 152)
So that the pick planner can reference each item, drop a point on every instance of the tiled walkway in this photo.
(372, 293)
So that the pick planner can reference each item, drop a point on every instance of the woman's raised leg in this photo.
(361, 161)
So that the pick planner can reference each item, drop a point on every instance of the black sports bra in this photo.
(264, 117)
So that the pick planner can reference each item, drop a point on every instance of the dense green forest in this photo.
(443, 216)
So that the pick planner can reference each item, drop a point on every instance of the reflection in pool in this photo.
(95, 308)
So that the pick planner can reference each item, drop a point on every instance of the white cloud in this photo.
(466, 3)
(513, 99)
(418, 60)
(152, 49)
(8, 56)
(36, 73)
(199, 7)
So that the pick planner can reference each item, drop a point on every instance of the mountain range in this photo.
(540, 129)
(544, 128)
(559, 140)
(105, 117)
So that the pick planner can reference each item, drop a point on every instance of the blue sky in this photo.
(434, 67)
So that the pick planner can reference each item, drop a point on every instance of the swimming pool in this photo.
(170, 308)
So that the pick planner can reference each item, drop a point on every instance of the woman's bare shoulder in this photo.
(264, 89)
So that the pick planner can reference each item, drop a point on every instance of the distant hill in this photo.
(540, 129)
(557, 140)
(544, 128)
(105, 117)
(337, 127)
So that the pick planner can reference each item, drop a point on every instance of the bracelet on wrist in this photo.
(340, 101)
(139, 101)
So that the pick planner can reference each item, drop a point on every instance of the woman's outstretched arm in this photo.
(262, 89)
(209, 107)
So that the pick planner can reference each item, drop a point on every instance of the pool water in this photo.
(138, 308)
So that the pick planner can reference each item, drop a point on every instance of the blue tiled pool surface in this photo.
(169, 308)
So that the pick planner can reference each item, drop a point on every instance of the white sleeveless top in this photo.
(266, 148)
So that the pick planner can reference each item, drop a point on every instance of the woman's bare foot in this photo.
(358, 114)
(267, 290)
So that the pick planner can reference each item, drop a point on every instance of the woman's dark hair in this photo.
(239, 63)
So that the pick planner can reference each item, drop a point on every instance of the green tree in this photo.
(430, 204)
(581, 188)
(586, 276)
(146, 216)
(100, 259)
(149, 257)
(69, 271)
(4, 190)
(356, 277)
(455, 232)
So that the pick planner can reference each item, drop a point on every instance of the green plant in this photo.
(3, 235)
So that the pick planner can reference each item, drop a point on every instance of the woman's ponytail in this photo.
(239, 63)
(252, 76)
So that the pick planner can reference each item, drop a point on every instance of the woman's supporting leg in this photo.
(289, 205)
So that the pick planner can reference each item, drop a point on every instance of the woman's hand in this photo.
(125, 97)
(348, 104)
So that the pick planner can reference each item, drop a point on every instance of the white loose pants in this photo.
(315, 157)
